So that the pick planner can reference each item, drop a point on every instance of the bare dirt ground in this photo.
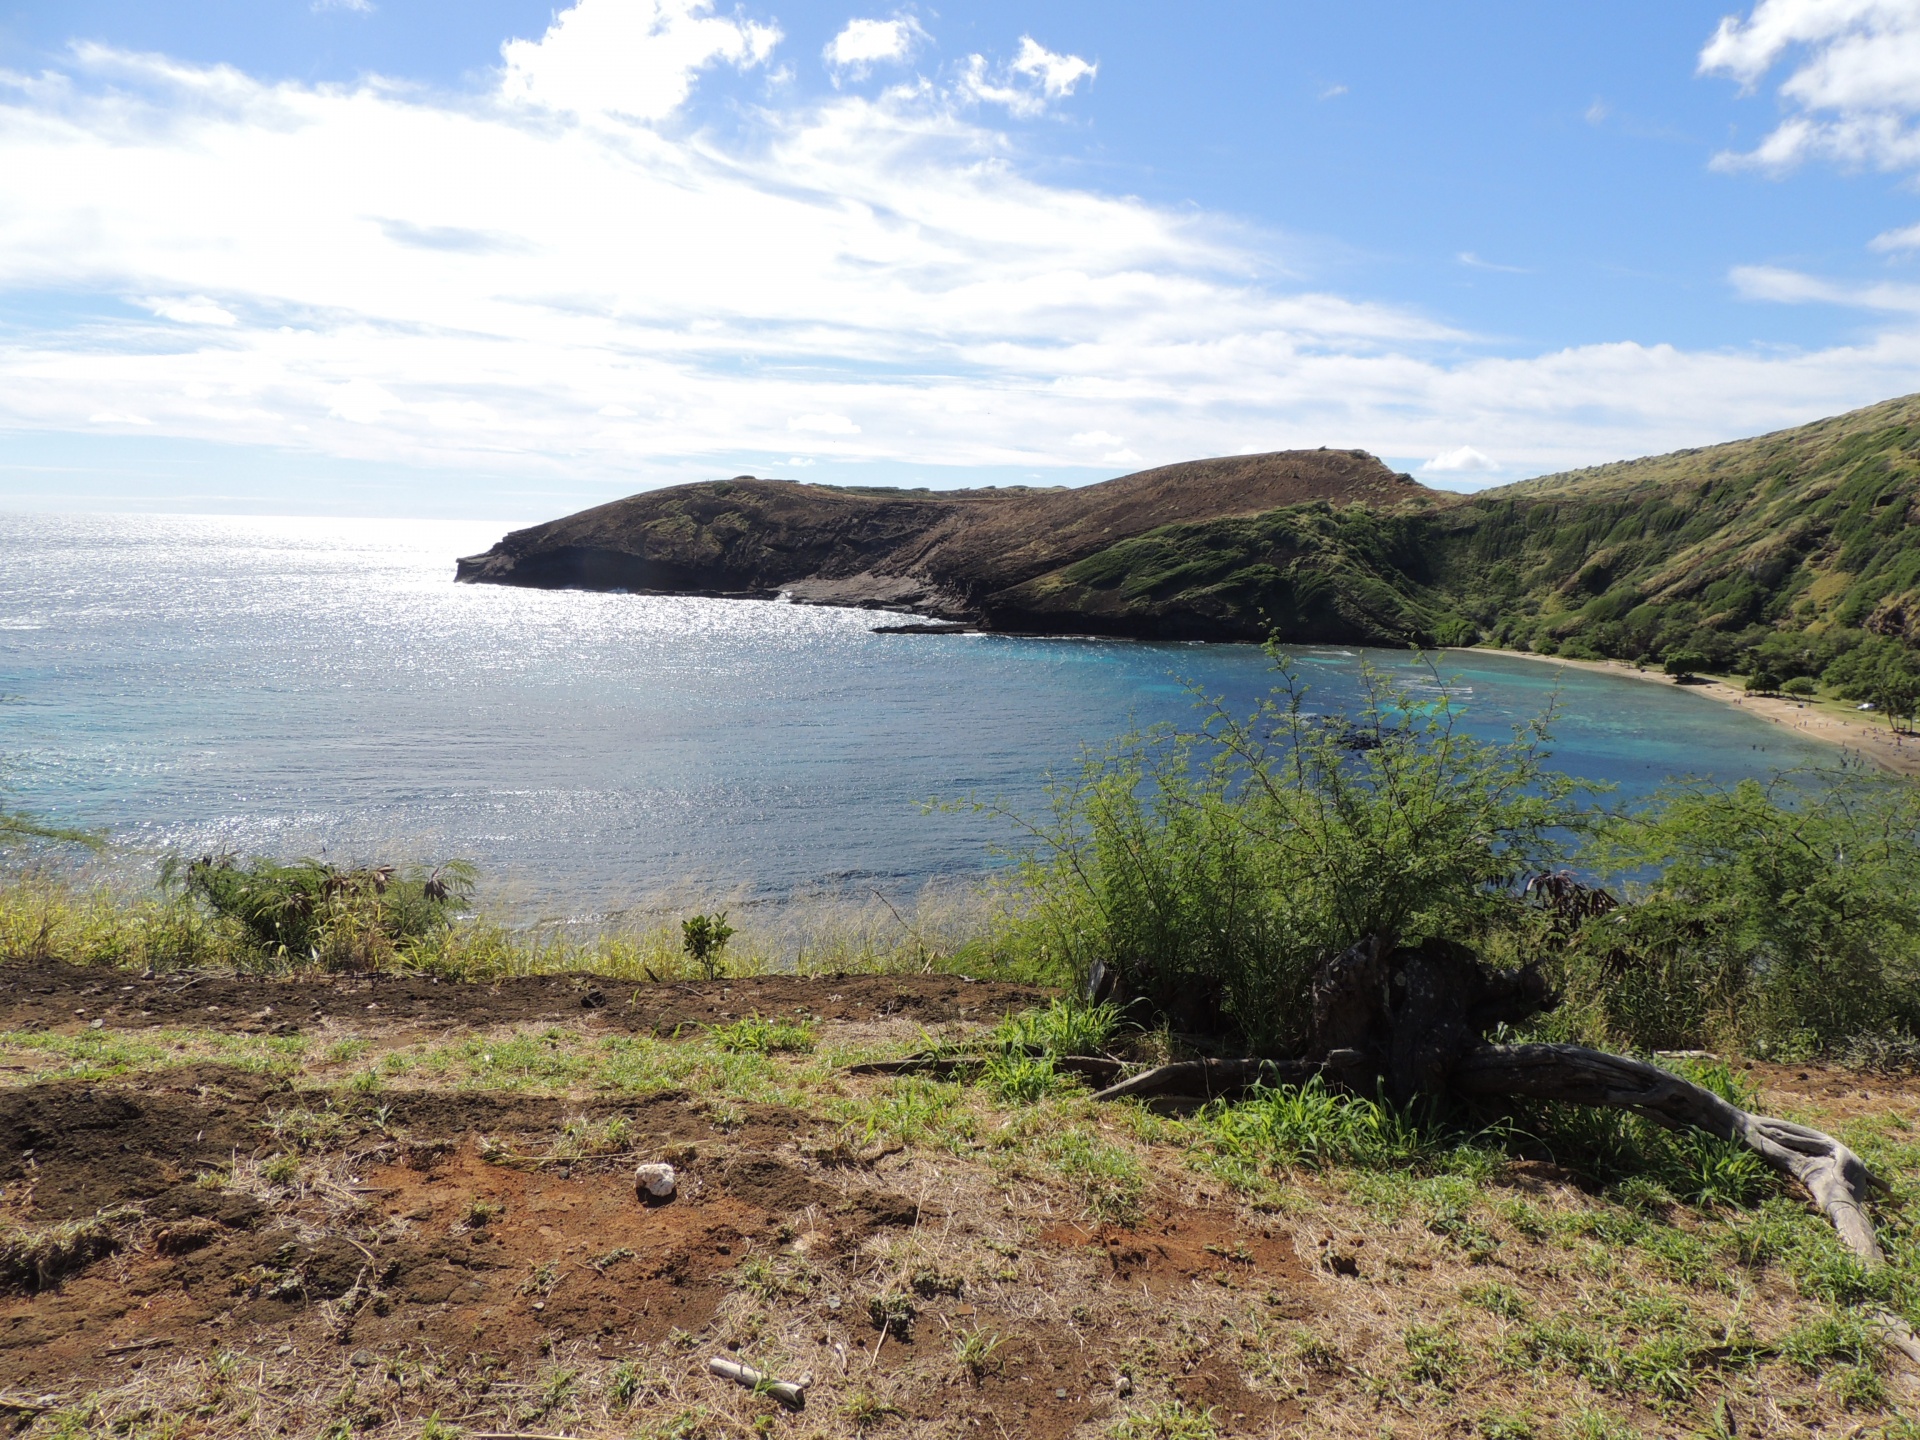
(349, 1206)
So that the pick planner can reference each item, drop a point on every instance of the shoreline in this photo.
(1870, 741)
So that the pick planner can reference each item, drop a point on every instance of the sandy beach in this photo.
(1861, 733)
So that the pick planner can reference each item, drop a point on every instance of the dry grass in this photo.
(1056, 1268)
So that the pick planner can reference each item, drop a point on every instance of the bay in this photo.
(296, 686)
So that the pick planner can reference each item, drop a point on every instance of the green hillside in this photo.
(1794, 553)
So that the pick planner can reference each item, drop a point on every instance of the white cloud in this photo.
(1907, 238)
(191, 310)
(1463, 458)
(358, 7)
(1025, 85)
(513, 280)
(824, 424)
(632, 58)
(1333, 92)
(1791, 287)
(1853, 89)
(1057, 75)
(1474, 262)
(866, 43)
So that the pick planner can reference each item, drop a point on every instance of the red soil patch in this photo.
(1185, 1245)
(53, 995)
(417, 1241)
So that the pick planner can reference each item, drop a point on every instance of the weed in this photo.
(1498, 1425)
(1435, 1356)
(892, 1311)
(1597, 1425)
(437, 1429)
(1109, 1179)
(1017, 1078)
(1496, 1299)
(776, 1277)
(34, 1257)
(1064, 1027)
(863, 1410)
(1171, 1420)
(978, 1351)
(756, 1036)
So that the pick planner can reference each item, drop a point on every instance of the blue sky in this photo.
(360, 257)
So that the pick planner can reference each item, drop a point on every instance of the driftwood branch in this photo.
(1836, 1178)
(788, 1393)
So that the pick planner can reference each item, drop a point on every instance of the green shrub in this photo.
(1763, 682)
(1800, 687)
(1212, 870)
(308, 910)
(704, 938)
(1785, 917)
(1685, 664)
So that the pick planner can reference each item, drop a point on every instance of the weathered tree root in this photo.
(1836, 1178)
(1097, 1068)
(1210, 1079)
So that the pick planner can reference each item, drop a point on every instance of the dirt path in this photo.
(54, 994)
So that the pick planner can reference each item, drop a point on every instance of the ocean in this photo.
(296, 687)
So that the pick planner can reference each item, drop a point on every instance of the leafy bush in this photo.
(308, 910)
(1212, 870)
(704, 938)
(1763, 682)
(1785, 917)
(1800, 687)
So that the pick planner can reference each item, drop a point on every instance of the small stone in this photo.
(1123, 1387)
(360, 1359)
(1059, 1394)
(97, 1024)
(655, 1182)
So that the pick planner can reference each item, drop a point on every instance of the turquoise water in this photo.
(322, 686)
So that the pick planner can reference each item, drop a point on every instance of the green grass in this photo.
(103, 1054)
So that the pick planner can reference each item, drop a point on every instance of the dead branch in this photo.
(791, 1394)
(1211, 1079)
(1836, 1178)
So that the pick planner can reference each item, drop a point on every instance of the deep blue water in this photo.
(309, 686)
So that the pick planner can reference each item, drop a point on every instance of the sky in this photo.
(497, 259)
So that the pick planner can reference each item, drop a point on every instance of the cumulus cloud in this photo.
(549, 278)
(1024, 85)
(1853, 86)
(635, 58)
(1462, 458)
(866, 43)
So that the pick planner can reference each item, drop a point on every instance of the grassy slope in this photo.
(1806, 532)
(1250, 1271)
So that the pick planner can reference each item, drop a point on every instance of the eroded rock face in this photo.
(987, 557)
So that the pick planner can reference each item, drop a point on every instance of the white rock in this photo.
(654, 1182)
